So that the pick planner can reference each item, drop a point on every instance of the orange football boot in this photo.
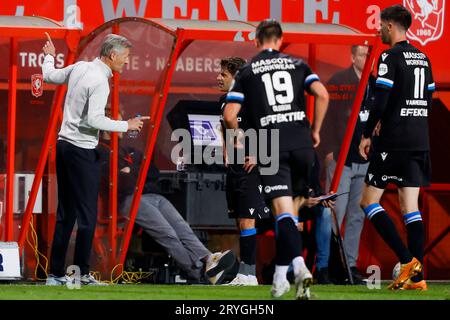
(411, 285)
(407, 271)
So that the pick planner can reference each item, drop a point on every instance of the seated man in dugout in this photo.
(160, 219)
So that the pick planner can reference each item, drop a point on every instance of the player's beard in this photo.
(385, 38)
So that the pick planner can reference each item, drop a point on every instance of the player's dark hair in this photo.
(232, 64)
(397, 14)
(268, 30)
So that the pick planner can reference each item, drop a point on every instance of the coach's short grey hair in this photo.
(114, 42)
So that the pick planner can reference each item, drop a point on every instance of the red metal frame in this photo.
(156, 112)
(32, 32)
(48, 140)
(183, 37)
(71, 37)
(113, 168)
(11, 148)
(354, 115)
(186, 37)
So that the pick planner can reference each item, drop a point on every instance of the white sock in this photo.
(298, 263)
(280, 274)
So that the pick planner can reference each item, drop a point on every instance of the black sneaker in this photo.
(323, 276)
(217, 265)
(357, 277)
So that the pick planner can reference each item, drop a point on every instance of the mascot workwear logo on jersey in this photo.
(428, 20)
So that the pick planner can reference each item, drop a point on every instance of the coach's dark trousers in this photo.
(78, 176)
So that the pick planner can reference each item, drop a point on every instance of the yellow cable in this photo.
(38, 254)
(126, 276)
(34, 244)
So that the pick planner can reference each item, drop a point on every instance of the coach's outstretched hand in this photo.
(136, 123)
(49, 47)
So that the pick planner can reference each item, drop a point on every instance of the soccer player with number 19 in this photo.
(270, 90)
(403, 98)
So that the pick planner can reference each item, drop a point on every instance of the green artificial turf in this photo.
(436, 291)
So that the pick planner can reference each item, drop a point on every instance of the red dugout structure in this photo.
(156, 79)
(16, 34)
(154, 85)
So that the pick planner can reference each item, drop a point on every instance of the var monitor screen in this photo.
(205, 130)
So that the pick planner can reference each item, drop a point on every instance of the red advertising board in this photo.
(429, 31)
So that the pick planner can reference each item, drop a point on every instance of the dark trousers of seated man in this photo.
(78, 176)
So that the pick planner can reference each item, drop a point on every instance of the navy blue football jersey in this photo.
(271, 90)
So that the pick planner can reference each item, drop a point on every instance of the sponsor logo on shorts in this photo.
(269, 189)
(260, 188)
(384, 155)
(251, 210)
(370, 176)
(385, 178)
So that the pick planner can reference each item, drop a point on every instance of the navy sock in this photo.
(288, 240)
(247, 244)
(386, 229)
(415, 230)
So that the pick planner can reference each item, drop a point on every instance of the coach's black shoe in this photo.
(358, 279)
(217, 265)
(322, 276)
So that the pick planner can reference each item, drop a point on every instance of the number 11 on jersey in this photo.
(419, 82)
